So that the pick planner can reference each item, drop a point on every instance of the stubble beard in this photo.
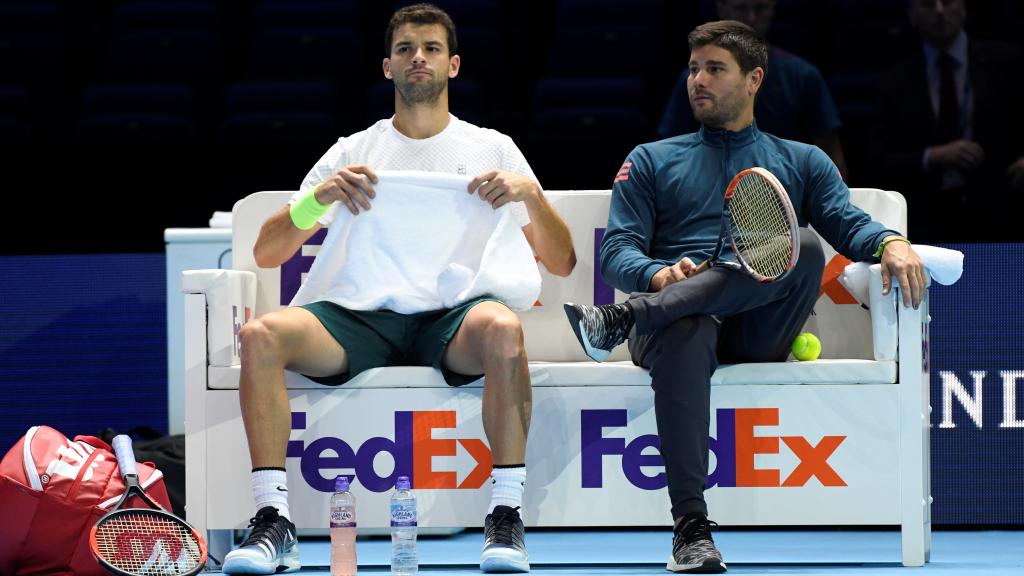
(421, 93)
(720, 113)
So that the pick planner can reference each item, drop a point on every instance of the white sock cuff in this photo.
(270, 488)
(507, 487)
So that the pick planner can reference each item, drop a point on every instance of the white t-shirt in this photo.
(461, 148)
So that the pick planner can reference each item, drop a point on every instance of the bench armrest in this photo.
(230, 302)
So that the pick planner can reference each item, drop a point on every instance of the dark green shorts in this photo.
(379, 338)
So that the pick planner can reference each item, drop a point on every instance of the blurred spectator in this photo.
(945, 128)
(794, 102)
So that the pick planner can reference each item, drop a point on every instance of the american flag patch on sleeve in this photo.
(623, 173)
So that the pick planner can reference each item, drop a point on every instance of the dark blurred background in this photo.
(121, 118)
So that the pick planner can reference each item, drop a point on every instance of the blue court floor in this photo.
(572, 553)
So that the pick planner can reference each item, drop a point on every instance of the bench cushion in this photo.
(609, 373)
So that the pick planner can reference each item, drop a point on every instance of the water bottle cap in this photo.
(341, 484)
(403, 483)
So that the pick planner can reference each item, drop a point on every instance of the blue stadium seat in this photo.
(305, 14)
(15, 120)
(607, 51)
(278, 129)
(30, 16)
(174, 15)
(280, 146)
(14, 131)
(561, 93)
(191, 57)
(34, 58)
(281, 96)
(601, 13)
(173, 99)
(306, 54)
(13, 100)
(136, 131)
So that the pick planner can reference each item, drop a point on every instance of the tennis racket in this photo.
(759, 224)
(144, 541)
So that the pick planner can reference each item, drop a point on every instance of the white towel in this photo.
(945, 266)
(426, 244)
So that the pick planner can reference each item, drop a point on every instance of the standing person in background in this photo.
(947, 128)
(794, 103)
(331, 344)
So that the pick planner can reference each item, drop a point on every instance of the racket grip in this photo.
(122, 445)
(701, 267)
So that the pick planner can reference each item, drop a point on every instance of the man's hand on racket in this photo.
(901, 262)
(352, 186)
(498, 188)
(671, 274)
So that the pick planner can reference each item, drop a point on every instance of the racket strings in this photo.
(760, 230)
(147, 544)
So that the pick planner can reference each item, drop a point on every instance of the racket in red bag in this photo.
(144, 541)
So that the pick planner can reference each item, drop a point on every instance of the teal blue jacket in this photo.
(667, 201)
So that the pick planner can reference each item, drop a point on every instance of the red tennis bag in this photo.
(52, 490)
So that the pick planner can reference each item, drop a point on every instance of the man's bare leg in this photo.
(490, 340)
(292, 338)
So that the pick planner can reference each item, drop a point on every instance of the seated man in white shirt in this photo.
(332, 344)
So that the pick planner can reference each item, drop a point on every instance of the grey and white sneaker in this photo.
(271, 547)
(693, 550)
(504, 545)
(600, 328)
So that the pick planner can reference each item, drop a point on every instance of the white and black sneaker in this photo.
(693, 550)
(271, 547)
(600, 328)
(504, 545)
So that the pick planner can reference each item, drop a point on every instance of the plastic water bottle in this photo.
(343, 529)
(404, 560)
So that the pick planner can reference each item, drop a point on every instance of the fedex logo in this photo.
(412, 449)
(236, 326)
(735, 448)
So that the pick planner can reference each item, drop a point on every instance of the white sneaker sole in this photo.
(236, 563)
(706, 568)
(504, 561)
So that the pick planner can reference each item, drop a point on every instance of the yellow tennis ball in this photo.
(806, 346)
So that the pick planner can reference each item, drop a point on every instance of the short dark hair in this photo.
(421, 14)
(748, 48)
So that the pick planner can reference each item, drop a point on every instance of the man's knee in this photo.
(686, 344)
(503, 341)
(258, 341)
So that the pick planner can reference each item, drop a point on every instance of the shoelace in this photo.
(262, 525)
(504, 529)
(693, 531)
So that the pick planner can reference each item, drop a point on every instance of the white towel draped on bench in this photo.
(426, 244)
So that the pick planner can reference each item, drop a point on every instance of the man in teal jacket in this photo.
(665, 214)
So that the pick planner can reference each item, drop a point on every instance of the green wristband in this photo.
(886, 240)
(306, 211)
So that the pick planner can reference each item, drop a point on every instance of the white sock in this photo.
(270, 488)
(507, 485)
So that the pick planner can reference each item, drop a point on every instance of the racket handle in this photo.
(702, 267)
(125, 455)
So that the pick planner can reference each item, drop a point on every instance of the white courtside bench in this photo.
(838, 441)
